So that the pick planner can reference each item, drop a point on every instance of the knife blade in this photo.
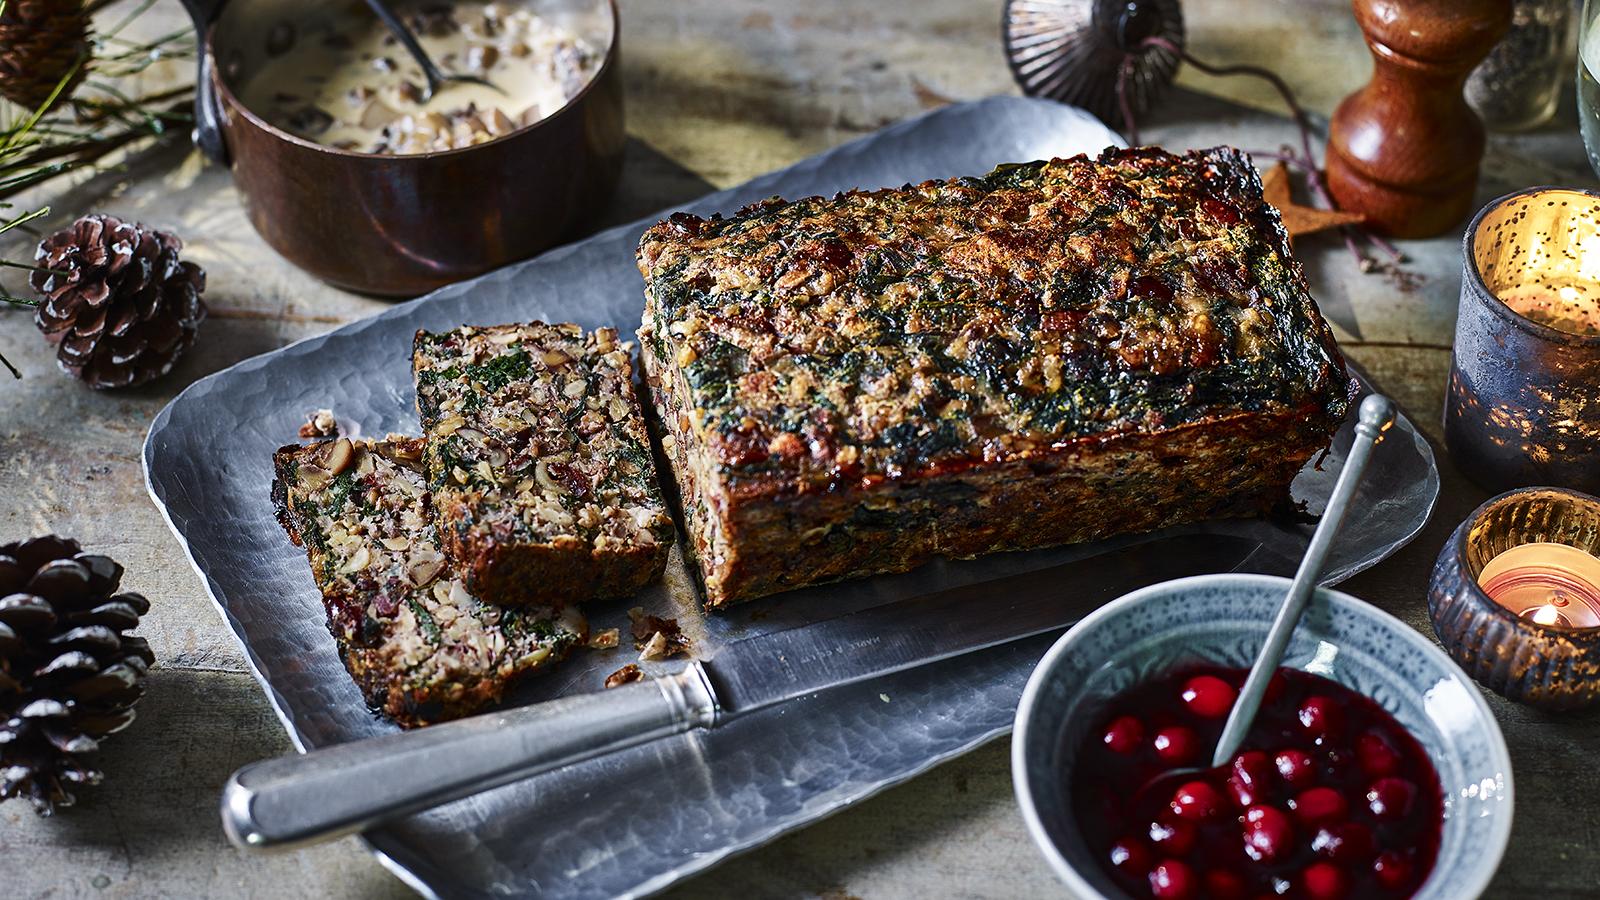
(765, 669)
(338, 790)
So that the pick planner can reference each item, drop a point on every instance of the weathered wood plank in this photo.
(718, 91)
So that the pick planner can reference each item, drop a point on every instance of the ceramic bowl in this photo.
(403, 225)
(1223, 619)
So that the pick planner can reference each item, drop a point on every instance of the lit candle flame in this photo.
(1545, 615)
(1546, 584)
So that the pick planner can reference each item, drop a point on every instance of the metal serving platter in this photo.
(638, 821)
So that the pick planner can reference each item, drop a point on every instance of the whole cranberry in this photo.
(1253, 767)
(1175, 745)
(1391, 798)
(1224, 885)
(1324, 881)
(1251, 772)
(1124, 735)
(1295, 767)
(1222, 212)
(1208, 696)
(1392, 870)
(1196, 800)
(1174, 837)
(1243, 794)
(1319, 804)
(1130, 855)
(1376, 755)
(1172, 880)
(1268, 834)
(1321, 716)
(1346, 842)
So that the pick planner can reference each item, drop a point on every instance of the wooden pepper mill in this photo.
(1404, 150)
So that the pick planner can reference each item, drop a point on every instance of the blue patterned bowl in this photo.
(1223, 619)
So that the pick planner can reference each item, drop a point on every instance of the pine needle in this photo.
(50, 141)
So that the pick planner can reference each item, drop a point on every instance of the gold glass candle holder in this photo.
(1524, 398)
(1515, 597)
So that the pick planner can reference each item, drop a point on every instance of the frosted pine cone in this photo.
(69, 676)
(42, 44)
(119, 301)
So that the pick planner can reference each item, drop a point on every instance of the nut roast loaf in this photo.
(1053, 352)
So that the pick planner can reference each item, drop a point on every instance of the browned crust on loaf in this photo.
(1126, 483)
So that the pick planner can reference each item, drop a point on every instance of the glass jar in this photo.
(1589, 80)
(1517, 86)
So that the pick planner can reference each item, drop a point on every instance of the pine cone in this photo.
(41, 41)
(121, 303)
(68, 674)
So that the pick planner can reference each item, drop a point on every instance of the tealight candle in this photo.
(1526, 366)
(1515, 596)
(1548, 584)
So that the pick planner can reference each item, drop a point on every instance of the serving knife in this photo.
(345, 788)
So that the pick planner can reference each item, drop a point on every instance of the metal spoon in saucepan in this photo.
(435, 76)
(1375, 417)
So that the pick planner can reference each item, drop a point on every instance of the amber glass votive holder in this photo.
(1519, 654)
(1523, 406)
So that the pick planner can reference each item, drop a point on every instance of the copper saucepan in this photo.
(403, 225)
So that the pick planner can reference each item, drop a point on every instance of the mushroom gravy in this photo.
(344, 81)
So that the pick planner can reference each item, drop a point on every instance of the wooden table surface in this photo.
(718, 91)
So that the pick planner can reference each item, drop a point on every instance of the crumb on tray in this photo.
(657, 638)
(320, 424)
(625, 675)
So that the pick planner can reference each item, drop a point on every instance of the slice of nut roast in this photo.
(544, 489)
(418, 644)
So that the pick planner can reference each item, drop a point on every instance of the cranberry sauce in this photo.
(1329, 796)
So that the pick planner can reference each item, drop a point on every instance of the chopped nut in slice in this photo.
(605, 640)
(340, 454)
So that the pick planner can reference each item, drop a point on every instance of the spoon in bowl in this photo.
(435, 76)
(1374, 418)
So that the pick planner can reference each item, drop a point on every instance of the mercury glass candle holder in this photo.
(1523, 405)
(1522, 646)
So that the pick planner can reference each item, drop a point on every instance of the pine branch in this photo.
(47, 142)
(17, 301)
(99, 146)
(24, 218)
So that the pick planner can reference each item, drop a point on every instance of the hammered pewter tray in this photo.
(635, 822)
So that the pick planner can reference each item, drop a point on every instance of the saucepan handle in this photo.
(346, 788)
(207, 110)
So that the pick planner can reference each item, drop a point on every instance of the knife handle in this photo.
(347, 788)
